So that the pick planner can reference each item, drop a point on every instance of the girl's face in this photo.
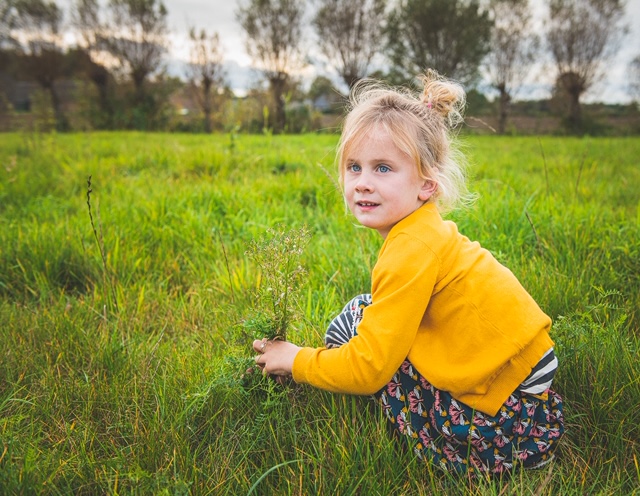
(381, 183)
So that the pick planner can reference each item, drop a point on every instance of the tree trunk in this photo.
(100, 77)
(574, 85)
(206, 106)
(575, 110)
(351, 79)
(138, 85)
(503, 110)
(61, 120)
(278, 86)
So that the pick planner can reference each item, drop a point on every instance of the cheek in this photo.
(347, 188)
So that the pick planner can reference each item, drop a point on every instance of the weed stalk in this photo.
(575, 192)
(226, 262)
(544, 163)
(106, 277)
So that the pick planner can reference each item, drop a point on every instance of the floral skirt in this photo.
(456, 438)
(452, 435)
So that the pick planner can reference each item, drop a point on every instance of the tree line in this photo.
(119, 55)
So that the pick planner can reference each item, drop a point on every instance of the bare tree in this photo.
(205, 71)
(514, 46)
(634, 78)
(136, 35)
(350, 33)
(43, 58)
(450, 36)
(7, 24)
(85, 17)
(581, 34)
(7, 44)
(274, 34)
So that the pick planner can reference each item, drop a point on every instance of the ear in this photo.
(429, 187)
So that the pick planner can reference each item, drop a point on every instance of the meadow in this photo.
(128, 298)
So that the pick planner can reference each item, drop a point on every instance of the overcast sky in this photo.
(219, 16)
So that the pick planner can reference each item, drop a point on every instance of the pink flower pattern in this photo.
(457, 438)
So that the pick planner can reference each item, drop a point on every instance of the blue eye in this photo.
(384, 168)
(354, 168)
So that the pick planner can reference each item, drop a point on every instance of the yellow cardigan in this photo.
(463, 320)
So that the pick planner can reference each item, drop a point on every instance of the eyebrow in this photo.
(375, 160)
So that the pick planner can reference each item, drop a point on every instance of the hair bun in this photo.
(444, 96)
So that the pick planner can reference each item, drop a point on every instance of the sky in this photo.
(219, 16)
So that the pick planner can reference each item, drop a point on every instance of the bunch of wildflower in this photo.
(278, 257)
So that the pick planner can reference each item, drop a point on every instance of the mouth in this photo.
(366, 204)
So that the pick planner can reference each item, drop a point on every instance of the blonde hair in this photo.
(420, 125)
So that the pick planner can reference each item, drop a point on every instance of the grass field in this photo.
(125, 313)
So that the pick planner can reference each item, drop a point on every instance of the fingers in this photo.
(259, 345)
(283, 380)
(274, 357)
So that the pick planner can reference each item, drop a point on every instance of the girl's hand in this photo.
(276, 357)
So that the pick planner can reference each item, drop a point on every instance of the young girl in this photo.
(454, 348)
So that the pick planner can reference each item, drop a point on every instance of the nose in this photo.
(363, 184)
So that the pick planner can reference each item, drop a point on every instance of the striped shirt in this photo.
(541, 377)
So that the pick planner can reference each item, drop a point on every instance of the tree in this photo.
(350, 34)
(136, 35)
(8, 16)
(513, 49)
(42, 57)
(274, 33)
(450, 36)
(581, 34)
(7, 44)
(634, 78)
(325, 96)
(85, 17)
(204, 70)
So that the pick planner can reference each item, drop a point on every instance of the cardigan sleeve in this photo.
(402, 283)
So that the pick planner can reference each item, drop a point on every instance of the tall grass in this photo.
(125, 375)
